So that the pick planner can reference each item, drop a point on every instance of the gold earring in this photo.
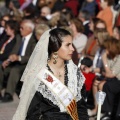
(55, 56)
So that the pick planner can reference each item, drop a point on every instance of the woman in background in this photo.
(100, 35)
(91, 46)
(51, 64)
(106, 14)
(79, 39)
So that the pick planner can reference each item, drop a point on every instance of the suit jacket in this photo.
(87, 30)
(2, 35)
(31, 44)
(8, 48)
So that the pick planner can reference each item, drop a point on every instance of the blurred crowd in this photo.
(95, 27)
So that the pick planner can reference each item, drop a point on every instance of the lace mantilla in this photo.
(75, 83)
(31, 83)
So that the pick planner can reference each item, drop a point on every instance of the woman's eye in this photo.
(67, 44)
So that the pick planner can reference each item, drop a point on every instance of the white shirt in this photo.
(79, 42)
(1, 30)
(85, 22)
(34, 2)
(27, 38)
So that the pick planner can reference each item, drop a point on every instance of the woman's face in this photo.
(116, 33)
(90, 0)
(103, 4)
(91, 25)
(4, 19)
(72, 26)
(9, 31)
(38, 36)
(66, 50)
(100, 26)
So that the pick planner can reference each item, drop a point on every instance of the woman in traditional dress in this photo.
(52, 83)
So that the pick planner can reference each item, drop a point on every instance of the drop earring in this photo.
(55, 56)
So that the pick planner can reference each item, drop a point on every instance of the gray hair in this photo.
(41, 28)
(29, 23)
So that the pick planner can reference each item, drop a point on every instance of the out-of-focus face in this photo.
(38, 36)
(99, 42)
(42, 3)
(25, 29)
(9, 31)
(90, 0)
(80, 17)
(4, 19)
(66, 50)
(100, 26)
(103, 4)
(91, 25)
(116, 33)
(72, 26)
(44, 12)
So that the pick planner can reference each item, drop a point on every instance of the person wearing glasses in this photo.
(3, 20)
(15, 64)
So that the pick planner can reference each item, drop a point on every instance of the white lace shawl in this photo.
(31, 83)
(75, 82)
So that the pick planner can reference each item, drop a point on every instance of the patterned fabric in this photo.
(115, 66)
(37, 61)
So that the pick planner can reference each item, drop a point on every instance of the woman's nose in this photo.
(72, 48)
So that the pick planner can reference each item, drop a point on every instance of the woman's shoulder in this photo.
(84, 36)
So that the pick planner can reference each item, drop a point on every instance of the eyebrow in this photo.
(68, 43)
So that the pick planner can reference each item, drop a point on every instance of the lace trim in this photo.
(75, 83)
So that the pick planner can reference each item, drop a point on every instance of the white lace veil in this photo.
(38, 60)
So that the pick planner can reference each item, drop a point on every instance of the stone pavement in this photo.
(7, 110)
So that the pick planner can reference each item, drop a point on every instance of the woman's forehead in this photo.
(67, 39)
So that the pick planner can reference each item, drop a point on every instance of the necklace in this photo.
(58, 72)
(59, 75)
(65, 74)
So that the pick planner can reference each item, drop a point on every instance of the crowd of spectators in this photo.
(95, 27)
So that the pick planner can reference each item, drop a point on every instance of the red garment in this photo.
(73, 4)
(89, 80)
(21, 2)
(98, 2)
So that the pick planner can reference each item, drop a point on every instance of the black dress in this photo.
(43, 109)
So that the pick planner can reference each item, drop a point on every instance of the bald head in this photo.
(45, 11)
(29, 23)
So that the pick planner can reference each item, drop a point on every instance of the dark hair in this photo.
(97, 21)
(13, 25)
(110, 2)
(87, 61)
(85, 14)
(55, 39)
(65, 16)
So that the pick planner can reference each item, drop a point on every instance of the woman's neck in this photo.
(57, 69)
(58, 65)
